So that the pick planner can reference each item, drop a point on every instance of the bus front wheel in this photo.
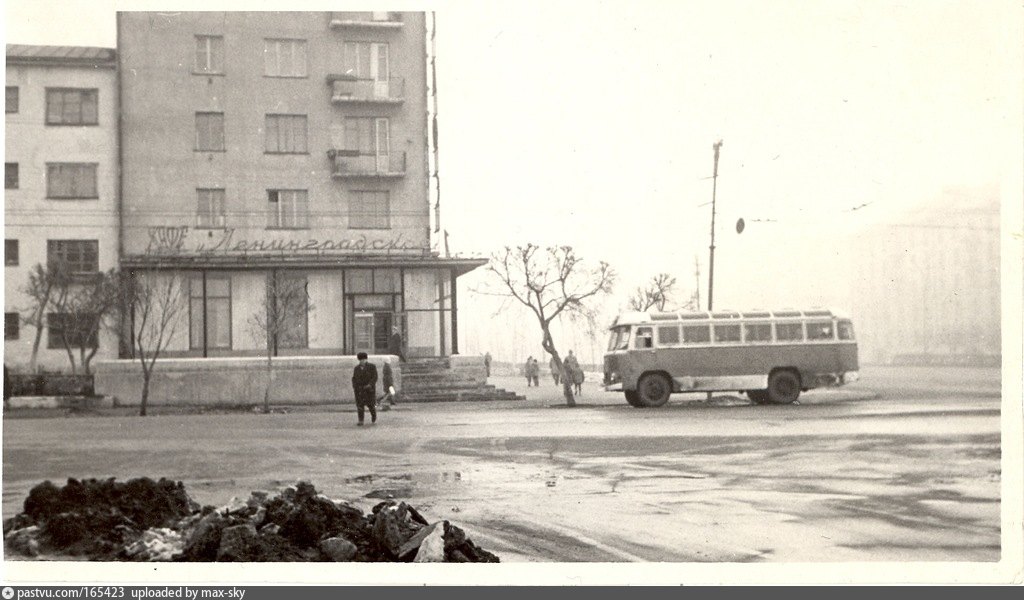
(653, 390)
(783, 387)
(633, 398)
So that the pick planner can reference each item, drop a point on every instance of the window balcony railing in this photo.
(381, 20)
(353, 163)
(346, 89)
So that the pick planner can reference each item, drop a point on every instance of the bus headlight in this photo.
(851, 376)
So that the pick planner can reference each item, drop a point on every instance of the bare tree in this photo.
(282, 315)
(654, 295)
(83, 306)
(156, 303)
(43, 283)
(551, 282)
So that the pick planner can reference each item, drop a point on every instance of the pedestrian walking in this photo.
(487, 363)
(395, 344)
(577, 380)
(556, 373)
(528, 370)
(390, 396)
(364, 385)
(536, 373)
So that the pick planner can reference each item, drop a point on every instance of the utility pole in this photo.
(711, 261)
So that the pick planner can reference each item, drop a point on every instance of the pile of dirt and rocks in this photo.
(146, 520)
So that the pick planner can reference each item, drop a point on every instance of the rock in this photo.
(237, 543)
(257, 499)
(235, 506)
(159, 544)
(432, 548)
(24, 541)
(204, 541)
(386, 532)
(257, 518)
(338, 549)
(413, 543)
(271, 529)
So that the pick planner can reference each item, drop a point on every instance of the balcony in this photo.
(366, 20)
(352, 164)
(346, 89)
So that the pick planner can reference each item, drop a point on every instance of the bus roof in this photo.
(639, 318)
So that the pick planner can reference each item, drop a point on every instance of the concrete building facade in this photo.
(927, 289)
(60, 184)
(268, 151)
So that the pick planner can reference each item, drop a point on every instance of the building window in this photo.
(70, 106)
(11, 323)
(284, 58)
(287, 209)
(61, 326)
(209, 208)
(209, 132)
(366, 60)
(369, 135)
(209, 54)
(10, 176)
(292, 304)
(286, 134)
(10, 253)
(369, 210)
(71, 180)
(217, 324)
(12, 99)
(370, 281)
(75, 256)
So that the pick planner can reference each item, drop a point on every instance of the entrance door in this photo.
(379, 70)
(363, 332)
(381, 331)
(383, 136)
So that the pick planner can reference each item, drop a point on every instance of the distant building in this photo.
(261, 148)
(926, 288)
(60, 183)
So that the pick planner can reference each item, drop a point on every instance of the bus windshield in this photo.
(619, 339)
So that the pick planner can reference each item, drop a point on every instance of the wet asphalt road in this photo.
(912, 474)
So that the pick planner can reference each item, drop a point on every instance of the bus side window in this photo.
(644, 337)
(789, 332)
(696, 334)
(668, 335)
(819, 330)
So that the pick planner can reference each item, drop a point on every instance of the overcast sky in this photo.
(592, 123)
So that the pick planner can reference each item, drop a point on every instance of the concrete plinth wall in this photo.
(234, 381)
(469, 367)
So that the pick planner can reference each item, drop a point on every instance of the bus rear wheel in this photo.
(783, 387)
(758, 396)
(633, 398)
(653, 390)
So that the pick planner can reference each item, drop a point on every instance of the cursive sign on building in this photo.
(176, 241)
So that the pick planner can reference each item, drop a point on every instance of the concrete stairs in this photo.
(434, 380)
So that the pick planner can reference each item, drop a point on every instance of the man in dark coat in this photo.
(364, 384)
(395, 344)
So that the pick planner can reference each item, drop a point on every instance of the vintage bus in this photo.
(770, 355)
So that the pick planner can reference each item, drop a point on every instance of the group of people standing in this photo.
(573, 372)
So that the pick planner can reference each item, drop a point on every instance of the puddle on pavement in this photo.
(409, 482)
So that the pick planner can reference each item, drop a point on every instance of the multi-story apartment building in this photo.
(927, 288)
(60, 184)
(264, 149)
